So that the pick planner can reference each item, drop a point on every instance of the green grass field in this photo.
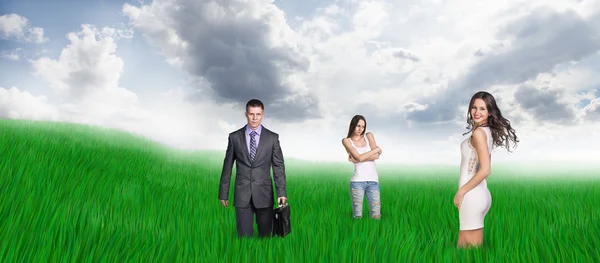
(71, 193)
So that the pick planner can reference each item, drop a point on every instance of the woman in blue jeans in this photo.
(363, 151)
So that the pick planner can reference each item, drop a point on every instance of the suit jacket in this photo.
(253, 178)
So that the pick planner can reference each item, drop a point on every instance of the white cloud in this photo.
(14, 55)
(16, 27)
(18, 104)
(86, 75)
(85, 79)
(592, 110)
(87, 64)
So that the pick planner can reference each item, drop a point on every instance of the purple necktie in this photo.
(252, 145)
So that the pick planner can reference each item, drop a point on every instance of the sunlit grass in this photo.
(71, 193)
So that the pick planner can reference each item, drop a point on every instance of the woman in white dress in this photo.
(363, 151)
(488, 130)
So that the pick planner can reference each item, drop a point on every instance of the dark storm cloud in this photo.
(232, 52)
(540, 41)
(392, 122)
(406, 55)
(544, 105)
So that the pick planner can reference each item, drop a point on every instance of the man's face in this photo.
(254, 116)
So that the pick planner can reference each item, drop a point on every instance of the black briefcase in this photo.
(281, 220)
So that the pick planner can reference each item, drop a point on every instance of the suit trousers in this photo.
(244, 217)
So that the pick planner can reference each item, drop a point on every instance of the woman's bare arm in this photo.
(354, 153)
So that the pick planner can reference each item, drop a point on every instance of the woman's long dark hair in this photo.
(353, 124)
(502, 132)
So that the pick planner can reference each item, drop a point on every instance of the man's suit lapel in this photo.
(245, 144)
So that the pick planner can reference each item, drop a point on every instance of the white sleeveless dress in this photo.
(364, 171)
(476, 203)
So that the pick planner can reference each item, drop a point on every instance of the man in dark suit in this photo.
(255, 149)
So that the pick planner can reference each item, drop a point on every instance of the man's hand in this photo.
(282, 200)
(225, 203)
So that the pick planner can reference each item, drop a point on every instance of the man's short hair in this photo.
(255, 103)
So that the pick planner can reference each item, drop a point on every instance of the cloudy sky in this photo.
(181, 71)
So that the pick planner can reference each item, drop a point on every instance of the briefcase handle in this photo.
(279, 205)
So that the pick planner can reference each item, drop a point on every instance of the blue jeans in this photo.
(357, 192)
